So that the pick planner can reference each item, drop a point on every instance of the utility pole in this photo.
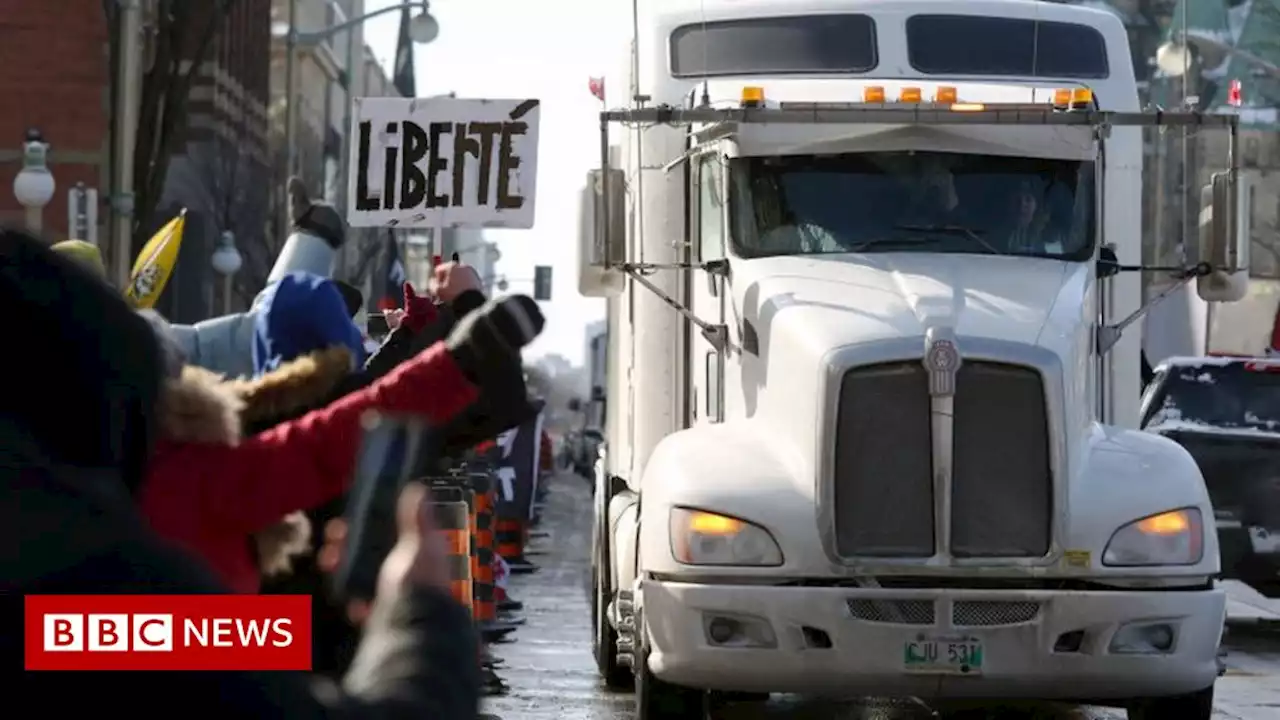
(127, 86)
(290, 114)
(344, 163)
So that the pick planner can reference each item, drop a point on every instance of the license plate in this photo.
(943, 655)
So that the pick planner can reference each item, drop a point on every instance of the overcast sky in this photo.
(545, 49)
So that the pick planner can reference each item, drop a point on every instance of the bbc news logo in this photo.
(167, 632)
(144, 632)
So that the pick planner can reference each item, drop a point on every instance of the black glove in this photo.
(486, 343)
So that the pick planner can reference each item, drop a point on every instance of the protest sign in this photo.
(443, 162)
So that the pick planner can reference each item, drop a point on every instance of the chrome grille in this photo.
(896, 612)
(1001, 482)
(883, 487)
(989, 613)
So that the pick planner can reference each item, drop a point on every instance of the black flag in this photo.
(403, 79)
(518, 468)
(393, 276)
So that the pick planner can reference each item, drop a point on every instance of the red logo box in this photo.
(167, 632)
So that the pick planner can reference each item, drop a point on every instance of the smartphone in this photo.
(389, 453)
(377, 326)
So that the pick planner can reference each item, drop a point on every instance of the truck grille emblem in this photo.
(942, 361)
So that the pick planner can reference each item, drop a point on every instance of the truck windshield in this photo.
(932, 202)
(1231, 395)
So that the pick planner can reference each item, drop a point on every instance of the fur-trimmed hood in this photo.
(200, 406)
(203, 407)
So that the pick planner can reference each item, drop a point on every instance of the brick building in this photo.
(57, 78)
(223, 173)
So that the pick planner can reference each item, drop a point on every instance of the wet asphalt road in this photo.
(552, 676)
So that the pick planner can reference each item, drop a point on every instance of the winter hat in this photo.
(85, 253)
(92, 346)
(299, 314)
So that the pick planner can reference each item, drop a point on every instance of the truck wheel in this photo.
(1193, 706)
(604, 640)
(604, 645)
(659, 700)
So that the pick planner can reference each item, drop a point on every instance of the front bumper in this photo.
(865, 657)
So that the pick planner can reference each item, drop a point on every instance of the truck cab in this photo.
(873, 406)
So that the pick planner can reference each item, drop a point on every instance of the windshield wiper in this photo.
(974, 235)
(887, 240)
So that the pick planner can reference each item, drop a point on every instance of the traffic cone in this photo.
(486, 608)
(511, 539)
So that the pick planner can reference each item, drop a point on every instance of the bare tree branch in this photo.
(234, 179)
(256, 270)
(166, 90)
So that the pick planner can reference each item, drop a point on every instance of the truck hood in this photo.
(835, 300)
(797, 310)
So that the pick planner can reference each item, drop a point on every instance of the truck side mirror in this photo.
(1224, 238)
(1108, 263)
(602, 248)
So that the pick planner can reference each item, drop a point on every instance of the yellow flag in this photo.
(155, 263)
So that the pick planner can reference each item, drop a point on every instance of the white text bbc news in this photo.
(143, 632)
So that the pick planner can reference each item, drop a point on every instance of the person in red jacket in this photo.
(211, 490)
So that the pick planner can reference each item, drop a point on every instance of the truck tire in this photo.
(1192, 706)
(604, 640)
(604, 644)
(660, 700)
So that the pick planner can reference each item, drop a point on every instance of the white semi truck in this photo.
(873, 363)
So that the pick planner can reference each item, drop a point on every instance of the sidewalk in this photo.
(549, 667)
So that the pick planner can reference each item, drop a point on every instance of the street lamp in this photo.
(33, 186)
(226, 262)
(423, 28)
(1173, 58)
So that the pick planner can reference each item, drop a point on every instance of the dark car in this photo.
(1226, 412)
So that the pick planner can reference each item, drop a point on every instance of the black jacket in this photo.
(335, 639)
(501, 406)
(68, 524)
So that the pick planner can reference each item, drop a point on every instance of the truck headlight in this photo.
(703, 538)
(1175, 537)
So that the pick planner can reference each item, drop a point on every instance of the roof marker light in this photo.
(945, 94)
(909, 95)
(752, 96)
(1062, 97)
(873, 94)
(1081, 96)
